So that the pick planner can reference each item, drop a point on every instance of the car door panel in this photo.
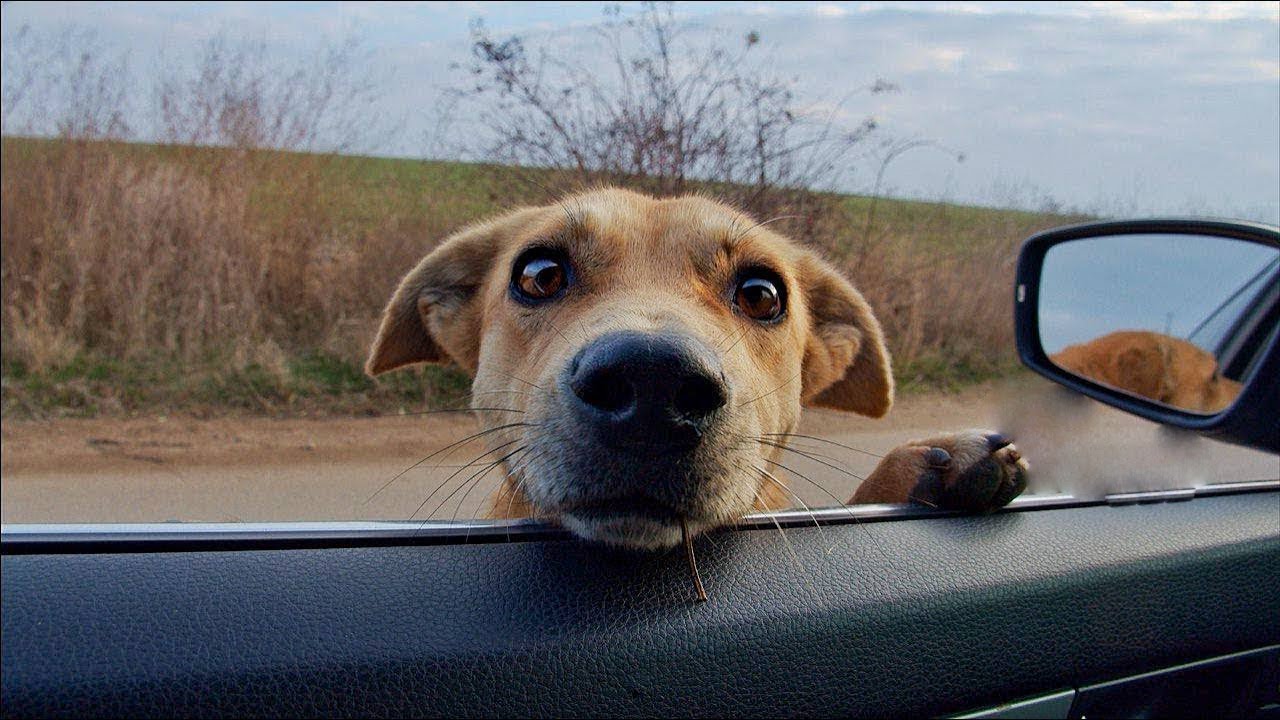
(915, 616)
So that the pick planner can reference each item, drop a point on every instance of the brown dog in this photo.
(651, 357)
(1158, 367)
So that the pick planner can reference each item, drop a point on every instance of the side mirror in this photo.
(1176, 321)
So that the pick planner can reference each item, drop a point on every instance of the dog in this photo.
(1158, 367)
(648, 359)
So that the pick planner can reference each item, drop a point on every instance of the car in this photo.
(1143, 604)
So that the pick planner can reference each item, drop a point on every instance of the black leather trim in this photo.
(920, 617)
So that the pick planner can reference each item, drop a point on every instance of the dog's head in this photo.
(1160, 367)
(653, 352)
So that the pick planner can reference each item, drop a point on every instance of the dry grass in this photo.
(137, 277)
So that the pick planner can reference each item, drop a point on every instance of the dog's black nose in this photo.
(647, 389)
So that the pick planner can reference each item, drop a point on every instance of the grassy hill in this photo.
(162, 279)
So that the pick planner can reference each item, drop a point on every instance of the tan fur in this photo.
(648, 265)
(1155, 366)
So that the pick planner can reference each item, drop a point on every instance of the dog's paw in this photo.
(972, 471)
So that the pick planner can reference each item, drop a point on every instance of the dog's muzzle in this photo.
(639, 440)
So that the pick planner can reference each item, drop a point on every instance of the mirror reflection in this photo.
(1178, 319)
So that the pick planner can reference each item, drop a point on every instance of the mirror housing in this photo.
(1253, 419)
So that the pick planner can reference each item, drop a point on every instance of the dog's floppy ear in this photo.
(434, 315)
(846, 364)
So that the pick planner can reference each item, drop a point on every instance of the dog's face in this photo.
(653, 351)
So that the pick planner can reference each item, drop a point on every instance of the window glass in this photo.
(208, 209)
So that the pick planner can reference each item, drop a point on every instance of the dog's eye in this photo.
(539, 277)
(760, 298)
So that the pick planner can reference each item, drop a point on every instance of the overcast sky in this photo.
(1118, 108)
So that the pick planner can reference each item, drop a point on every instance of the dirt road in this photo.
(237, 469)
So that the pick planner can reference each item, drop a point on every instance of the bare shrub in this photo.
(65, 84)
(235, 95)
(645, 108)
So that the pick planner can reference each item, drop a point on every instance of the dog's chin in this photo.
(634, 532)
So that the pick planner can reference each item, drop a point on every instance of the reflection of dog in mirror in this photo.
(1155, 366)
(642, 364)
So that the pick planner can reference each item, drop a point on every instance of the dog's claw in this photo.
(995, 441)
(937, 458)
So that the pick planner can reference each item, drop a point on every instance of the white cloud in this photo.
(1152, 12)
(834, 11)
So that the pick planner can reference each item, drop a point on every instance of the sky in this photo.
(1119, 109)
(1164, 283)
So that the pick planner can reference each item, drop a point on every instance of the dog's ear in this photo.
(846, 364)
(435, 315)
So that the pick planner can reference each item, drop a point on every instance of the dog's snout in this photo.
(647, 389)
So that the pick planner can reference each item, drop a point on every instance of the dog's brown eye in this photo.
(759, 298)
(540, 278)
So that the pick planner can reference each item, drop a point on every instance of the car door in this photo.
(871, 613)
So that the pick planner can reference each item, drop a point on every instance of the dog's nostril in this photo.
(605, 390)
(697, 397)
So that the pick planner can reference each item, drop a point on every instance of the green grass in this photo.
(312, 384)
(935, 372)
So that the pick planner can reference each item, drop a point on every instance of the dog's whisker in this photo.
(869, 481)
(446, 448)
(722, 337)
(812, 448)
(795, 559)
(794, 447)
(564, 337)
(866, 480)
(856, 520)
(475, 477)
(736, 335)
(771, 478)
(503, 392)
(519, 380)
(815, 458)
(505, 488)
(829, 442)
(761, 397)
(517, 489)
(809, 480)
(462, 410)
(737, 340)
(812, 515)
(810, 456)
(476, 484)
(761, 224)
(458, 472)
